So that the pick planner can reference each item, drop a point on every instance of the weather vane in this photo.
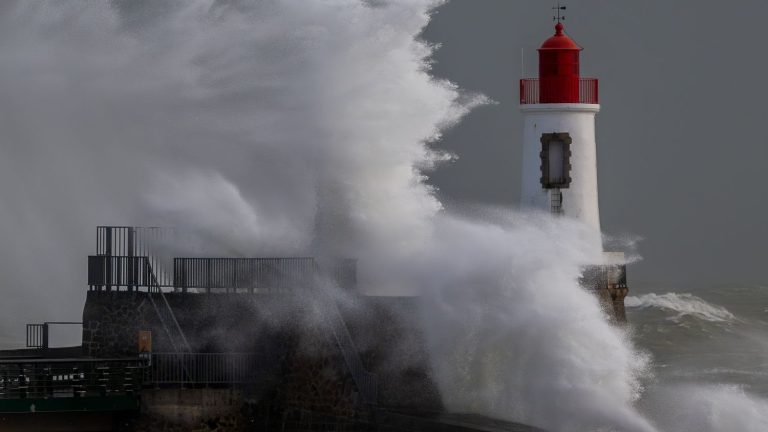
(558, 17)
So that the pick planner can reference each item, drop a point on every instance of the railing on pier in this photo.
(191, 369)
(139, 259)
(243, 274)
(38, 334)
(211, 274)
(46, 378)
(130, 272)
(131, 241)
(530, 91)
(150, 243)
(77, 378)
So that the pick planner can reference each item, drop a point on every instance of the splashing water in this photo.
(709, 408)
(683, 304)
(291, 127)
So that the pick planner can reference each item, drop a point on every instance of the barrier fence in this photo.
(531, 92)
(44, 378)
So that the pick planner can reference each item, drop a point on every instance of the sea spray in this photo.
(707, 408)
(514, 336)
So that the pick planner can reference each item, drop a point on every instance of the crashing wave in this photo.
(684, 304)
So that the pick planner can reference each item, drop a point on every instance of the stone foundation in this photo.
(299, 359)
(191, 410)
(612, 301)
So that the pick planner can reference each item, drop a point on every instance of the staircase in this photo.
(365, 381)
(165, 314)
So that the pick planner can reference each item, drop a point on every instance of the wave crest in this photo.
(684, 304)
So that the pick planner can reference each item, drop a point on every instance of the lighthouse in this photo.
(560, 155)
(559, 147)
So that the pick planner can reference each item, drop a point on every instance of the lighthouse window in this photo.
(555, 160)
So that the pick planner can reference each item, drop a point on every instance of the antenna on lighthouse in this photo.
(559, 17)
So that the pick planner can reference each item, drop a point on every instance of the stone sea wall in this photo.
(304, 370)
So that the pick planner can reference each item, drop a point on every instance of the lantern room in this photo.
(559, 68)
(559, 76)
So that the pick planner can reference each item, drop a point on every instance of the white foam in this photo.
(708, 408)
(683, 304)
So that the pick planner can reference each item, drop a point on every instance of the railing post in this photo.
(45, 336)
(597, 91)
(22, 382)
(208, 276)
(132, 267)
(108, 253)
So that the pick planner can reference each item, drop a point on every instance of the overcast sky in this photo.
(682, 148)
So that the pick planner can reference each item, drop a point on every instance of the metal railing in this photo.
(129, 272)
(139, 258)
(38, 334)
(530, 91)
(234, 274)
(152, 243)
(66, 378)
(62, 378)
(131, 241)
(205, 368)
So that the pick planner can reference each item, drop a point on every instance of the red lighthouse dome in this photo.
(559, 68)
(560, 41)
(559, 78)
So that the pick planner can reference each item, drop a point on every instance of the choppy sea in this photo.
(709, 349)
(716, 336)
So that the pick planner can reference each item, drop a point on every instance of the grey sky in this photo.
(681, 143)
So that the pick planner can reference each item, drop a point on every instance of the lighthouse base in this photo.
(609, 284)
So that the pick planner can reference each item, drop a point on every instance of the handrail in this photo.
(108, 272)
(73, 378)
(366, 382)
(38, 334)
(186, 368)
(131, 272)
(531, 92)
(273, 274)
(156, 291)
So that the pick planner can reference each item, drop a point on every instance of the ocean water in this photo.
(716, 336)
(709, 349)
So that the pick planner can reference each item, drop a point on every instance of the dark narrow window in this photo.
(555, 160)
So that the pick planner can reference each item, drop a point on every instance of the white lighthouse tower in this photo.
(559, 148)
(560, 156)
